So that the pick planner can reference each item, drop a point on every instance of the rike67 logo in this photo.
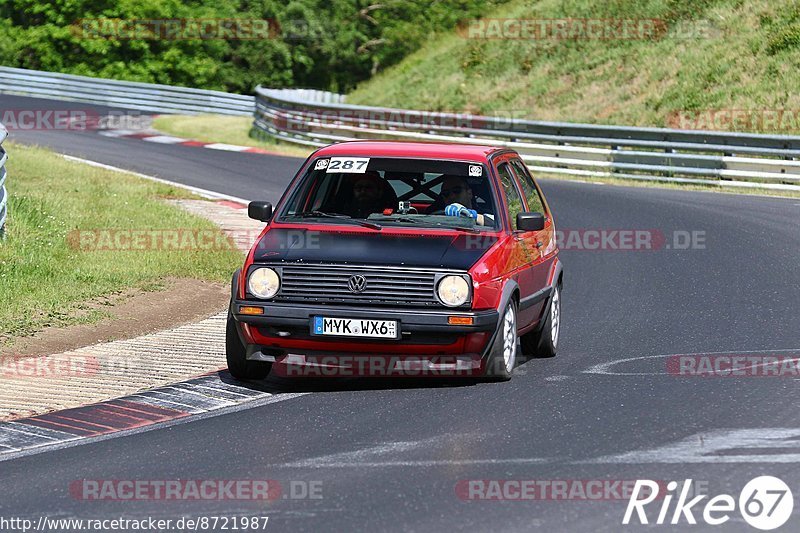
(765, 503)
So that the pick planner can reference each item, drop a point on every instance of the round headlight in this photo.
(264, 283)
(453, 290)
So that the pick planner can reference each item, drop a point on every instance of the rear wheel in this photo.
(544, 342)
(236, 354)
(502, 358)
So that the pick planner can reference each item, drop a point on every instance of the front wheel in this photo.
(236, 354)
(544, 342)
(502, 358)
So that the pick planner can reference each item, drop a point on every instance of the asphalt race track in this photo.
(394, 456)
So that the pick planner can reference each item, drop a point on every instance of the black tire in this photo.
(500, 364)
(236, 354)
(543, 342)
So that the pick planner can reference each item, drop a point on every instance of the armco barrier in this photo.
(703, 157)
(126, 94)
(3, 174)
(316, 118)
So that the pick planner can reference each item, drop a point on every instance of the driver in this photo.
(458, 197)
(369, 194)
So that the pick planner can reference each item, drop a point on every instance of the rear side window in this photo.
(535, 203)
(512, 194)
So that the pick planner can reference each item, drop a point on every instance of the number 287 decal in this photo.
(349, 165)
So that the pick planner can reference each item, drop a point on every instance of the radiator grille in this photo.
(391, 286)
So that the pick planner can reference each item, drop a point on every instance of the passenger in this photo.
(457, 195)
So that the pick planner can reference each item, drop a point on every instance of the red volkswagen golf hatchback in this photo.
(399, 258)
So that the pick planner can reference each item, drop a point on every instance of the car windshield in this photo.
(388, 191)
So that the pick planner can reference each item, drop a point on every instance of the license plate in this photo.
(354, 327)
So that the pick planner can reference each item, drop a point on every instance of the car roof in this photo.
(425, 150)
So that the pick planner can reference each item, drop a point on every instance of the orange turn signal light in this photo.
(460, 320)
(249, 310)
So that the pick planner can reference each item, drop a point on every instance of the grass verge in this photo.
(222, 129)
(46, 279)
(715, 55)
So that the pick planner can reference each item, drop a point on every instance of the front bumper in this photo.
(285, 328)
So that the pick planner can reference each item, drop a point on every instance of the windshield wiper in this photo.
(438, 224)
(340, 216)
(321, 214)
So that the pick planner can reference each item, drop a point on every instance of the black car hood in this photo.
(450, 251)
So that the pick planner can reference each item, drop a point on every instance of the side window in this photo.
(535, 203)
(512, 194)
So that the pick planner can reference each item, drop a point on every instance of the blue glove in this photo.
(458, 210)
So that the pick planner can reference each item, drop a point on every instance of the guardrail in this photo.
(587, 150)
(127, 94)
(317, 118)
(3, 174)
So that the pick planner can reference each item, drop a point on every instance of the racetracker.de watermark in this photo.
(72, 120)
(174, 239)
(737, 365)
(629, 240)
(68, 365)
(393, 118)
(609, 240)
(194, 489)
(380, 366)
(757, 119)
(49, 367)
(176, 29)
(585, 29)
(545, 489)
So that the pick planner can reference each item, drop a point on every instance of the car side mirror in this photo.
(260, 211)
(530, 221)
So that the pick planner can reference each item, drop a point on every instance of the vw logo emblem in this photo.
(357, 283)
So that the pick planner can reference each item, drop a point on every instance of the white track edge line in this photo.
(205, 193)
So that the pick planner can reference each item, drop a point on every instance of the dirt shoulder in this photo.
(132, 313)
